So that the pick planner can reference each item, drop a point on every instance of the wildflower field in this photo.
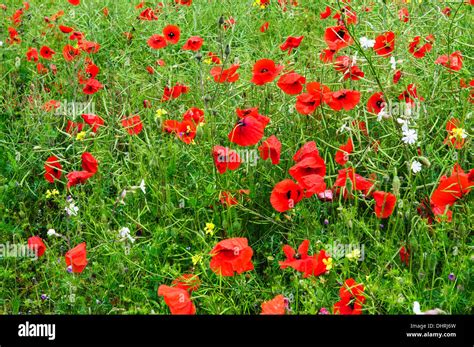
(236, 157)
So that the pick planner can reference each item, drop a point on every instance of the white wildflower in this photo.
(125, 233)
(52, 232)
(415, 166)
(393, 62)
(72, 209)
(410, 136)
(417, 310)
(366, 43)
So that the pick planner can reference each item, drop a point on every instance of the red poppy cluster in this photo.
(309, 265)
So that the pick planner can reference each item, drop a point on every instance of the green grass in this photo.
(168, 235)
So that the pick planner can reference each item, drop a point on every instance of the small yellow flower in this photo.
(458, 133)
(208, 61)
(50, 193)
(209, 229)
(354, 255)
(160, 113)
(196, 259)
(328, 263)
(81, 136)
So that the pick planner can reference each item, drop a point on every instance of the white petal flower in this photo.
(393, 62)
(410, 136)
(1, 43)
(366, 43)
(415, 166)
(52, 232)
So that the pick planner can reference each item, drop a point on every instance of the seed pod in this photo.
(425, 161)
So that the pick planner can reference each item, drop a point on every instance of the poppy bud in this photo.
(146, 103)
(221, 20)
(227, 50)
(425, 161)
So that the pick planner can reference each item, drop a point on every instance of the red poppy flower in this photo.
(291, 83)
(78, 177)
(337, 37)
(348, 14)
(342, 99)
(410, 94)
(178, 300)
(74, 2)
(89, 163)
(358, 182)
(456, 135)
(264, 27)
(36, 244)
(265, 71)
(453, 62)
(174, 92)
(451, 189)
(73, 127)
(327, 55)
(147, 14)
(228, 75)
(214, 58)
(313, 184)
(318, 265)
(171, 126)
(376, 103)
(76, 258)
(225, 159)
(298, 260)
(195, 114)
(275, 306)
(172, 34)
(385, 44)
(184, 2)
(32, 54)
(47, 53)
(76, 35)
(194, 43)
(396, 76)
(186, 131)
(307, 103)
(14, 37)
(446, 11)
(271, 148)
(231, 255)
(93, 120)
(326, 13)
(247, 132)
(384, 204)
(92, 86)
(311, 165)
(403, 15)
(65, 29)
(352, 298)
(420, 51)
(157, 41)
(89, 46)
(133, 124)
(404, 256)
(354, 73)
(51, 105)
(227, 199)
(309, 149)
(342, 155)
(291, 43)
(53, 169)
(189, 282)
(342, 63)
(70, 52)
(285, 195)
(253, 111)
